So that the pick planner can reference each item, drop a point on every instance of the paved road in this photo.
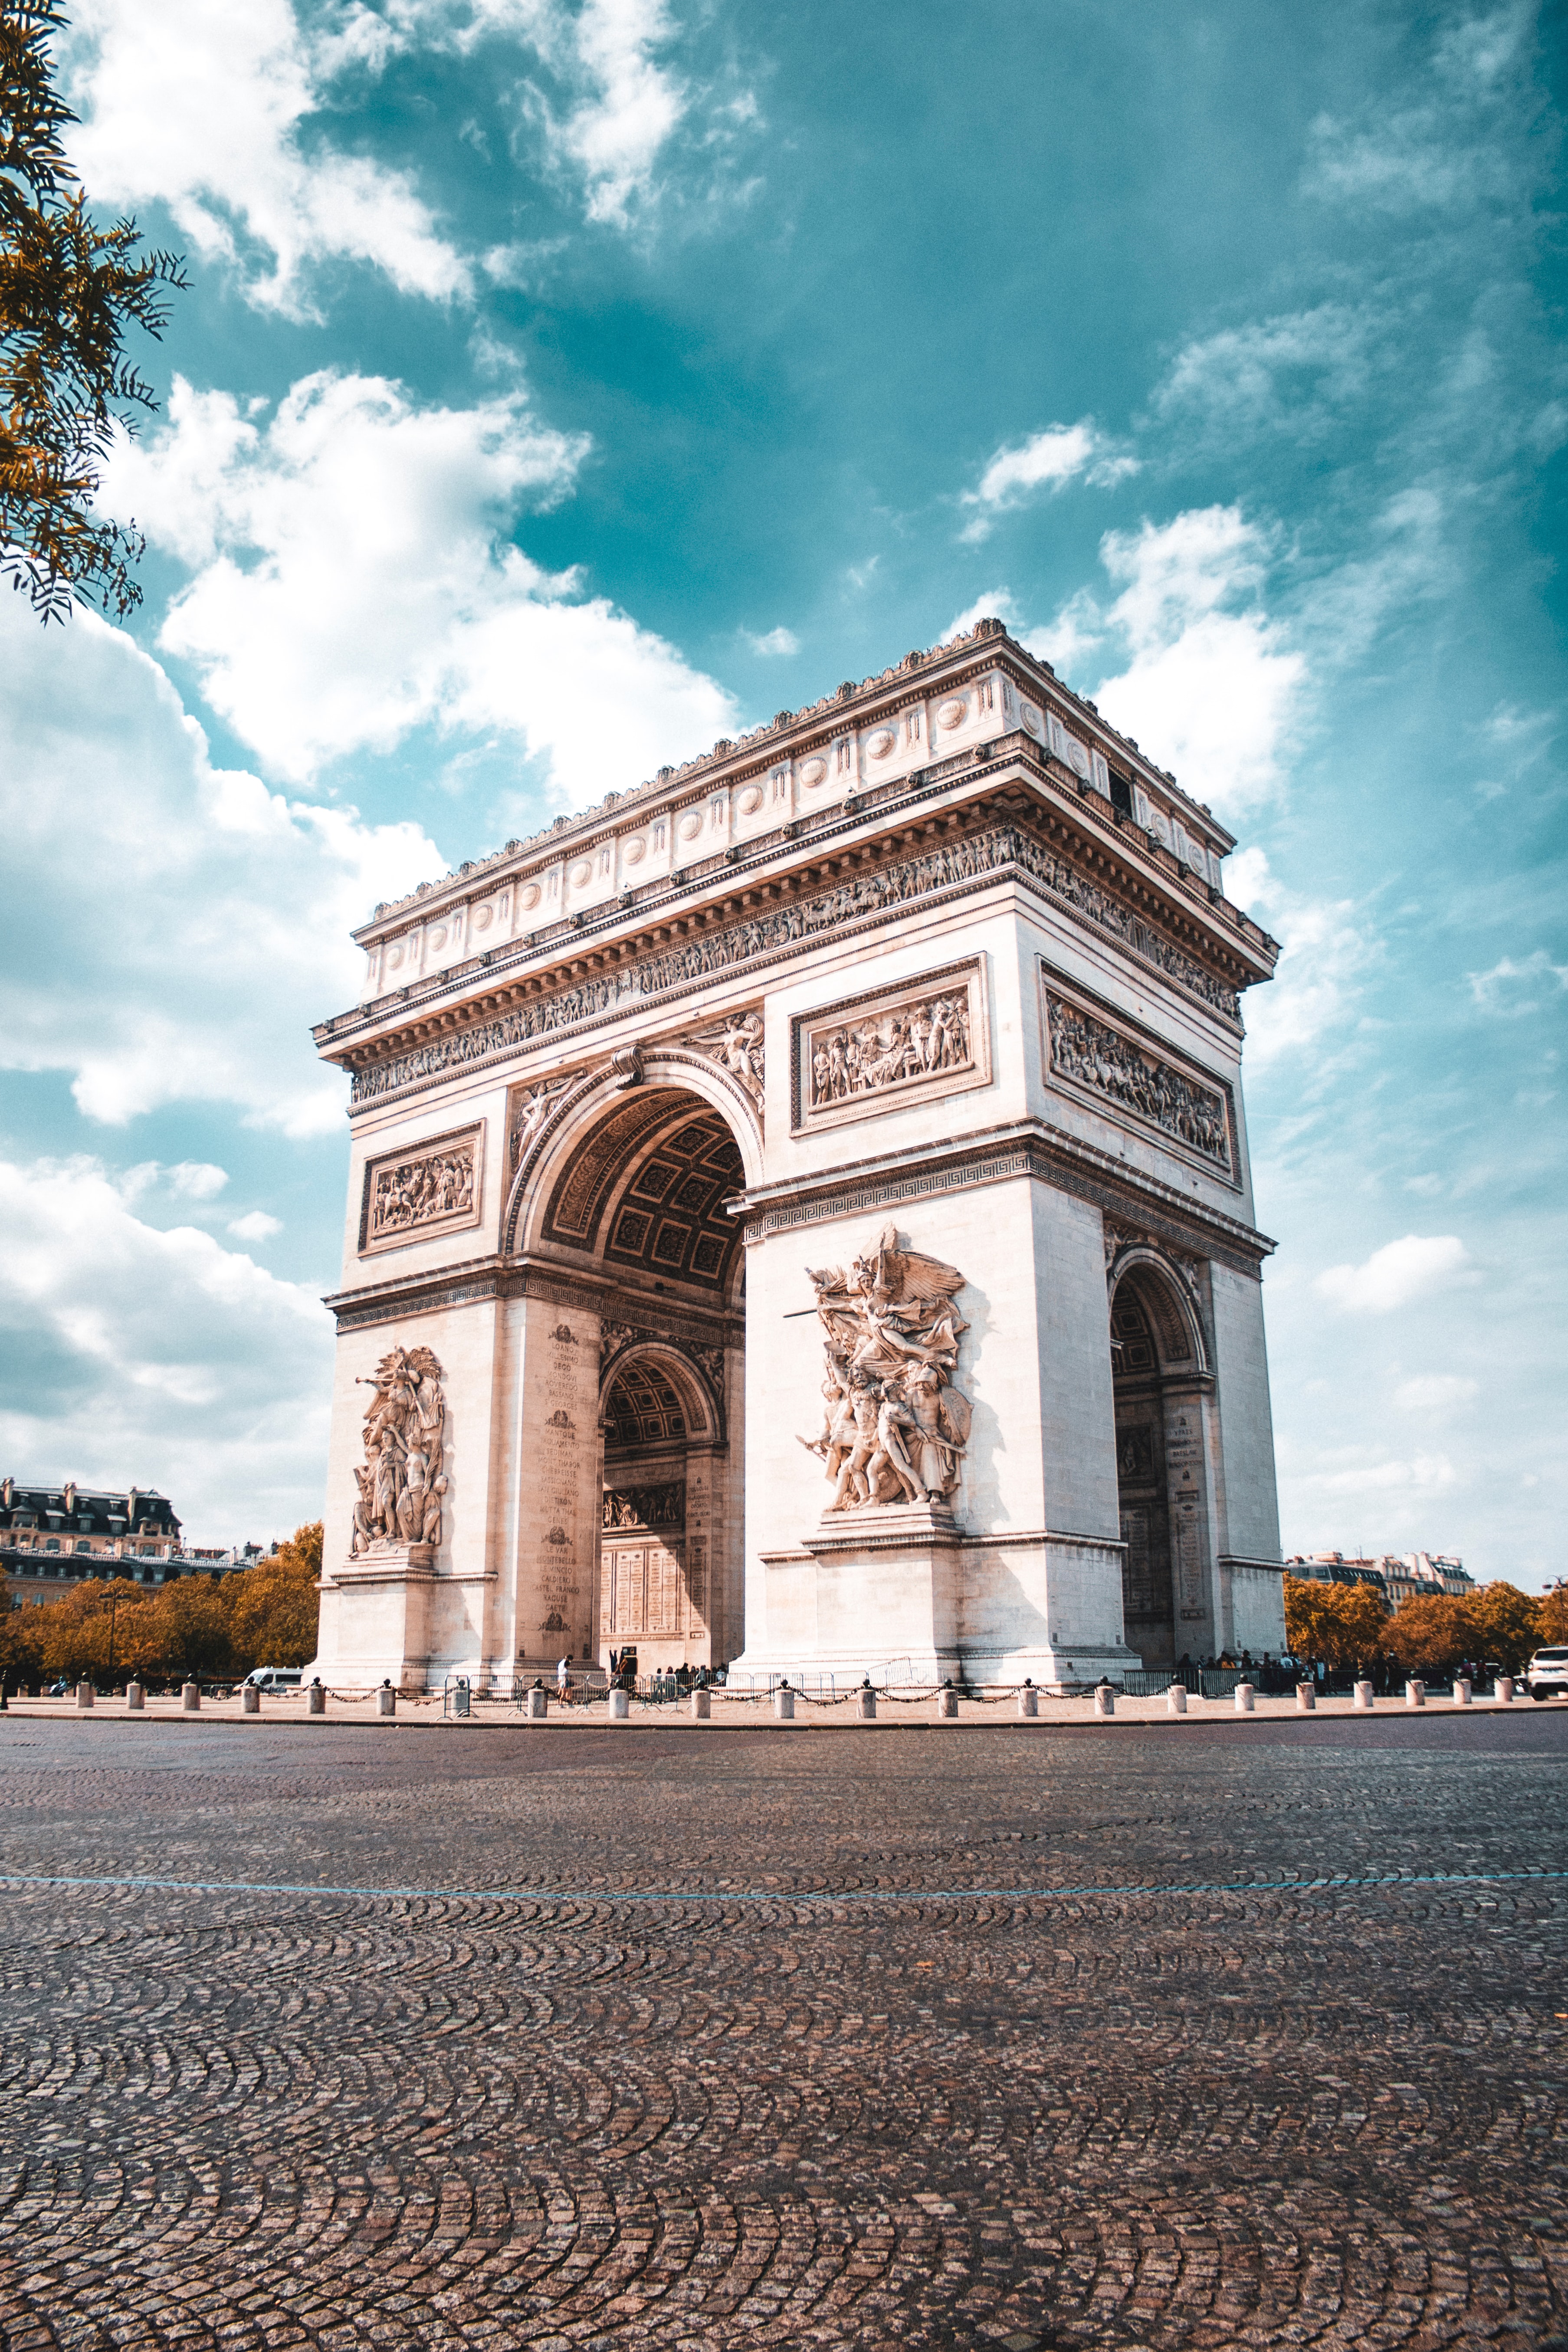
(663, 2100)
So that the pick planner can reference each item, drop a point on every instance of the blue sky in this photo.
(565, 385)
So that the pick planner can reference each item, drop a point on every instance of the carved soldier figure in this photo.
(864, 1403)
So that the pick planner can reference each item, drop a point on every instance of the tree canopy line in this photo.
(71, 293)
(207, 1628)
(1347, 1629)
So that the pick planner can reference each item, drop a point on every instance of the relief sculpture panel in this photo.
(877, 1052)
(1089, 1053)
(430, 1189)
(894, 1427)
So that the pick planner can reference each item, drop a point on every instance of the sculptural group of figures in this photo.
(894, 1428)
(418, 1190)
(401, 1480)
(913, 1041)
(1086, 1050)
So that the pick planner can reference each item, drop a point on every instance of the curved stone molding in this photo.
(656, 1064)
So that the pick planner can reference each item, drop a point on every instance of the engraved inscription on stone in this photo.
(884, 1049)
(1089, 1053)
(433, 1188)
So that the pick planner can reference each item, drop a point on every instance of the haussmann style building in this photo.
(800, 1217)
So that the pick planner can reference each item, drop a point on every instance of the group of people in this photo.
(909, 1044)
(1086, 1050)
(418, 1190)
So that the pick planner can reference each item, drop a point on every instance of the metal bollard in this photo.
(135, 1697)
(783, 1703)
(536, 1705)
(1245, 1698)
(1461, 1690)
(1416, 1694)
(1363, 1695)
(702, 1706)
(1177, 1698)
(191, 1697)
(250, 1700)
(620, 1706)
(1029, 1700)
(316, 1700)
(85, 1695)
(1104, 1700)
(1306, 1698)
(386, 1700)
(947, 1703)
(866, 1706)
(1503, 1688)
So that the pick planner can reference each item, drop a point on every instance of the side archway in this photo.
(1162, 1382)
(665, 1496)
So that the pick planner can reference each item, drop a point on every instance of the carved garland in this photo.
(980, 858)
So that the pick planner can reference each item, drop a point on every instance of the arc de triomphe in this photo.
(800, 1215)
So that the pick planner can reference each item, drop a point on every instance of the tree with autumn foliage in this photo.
(272, 1619)
(1343, 1626)
(71, 293)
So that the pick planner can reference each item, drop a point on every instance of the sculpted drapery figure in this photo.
(402, 1481)
(894, 1427)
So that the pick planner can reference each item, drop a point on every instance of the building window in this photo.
(53, 1544)
(82, 1544)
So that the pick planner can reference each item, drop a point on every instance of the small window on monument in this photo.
(1120, 794)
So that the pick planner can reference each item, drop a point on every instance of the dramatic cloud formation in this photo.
(199, 923)
(156, 1356)
(350, 583)
(202, 107)
(1395, 1275)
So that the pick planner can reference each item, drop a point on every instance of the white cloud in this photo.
(1380, 1480)
(1326, 947)
(778, 642)
(1395, 1275)
(1047, 461)
(1288, 369)
(992, 604)
(179, 926)
(1436, 1394)
(157, 1358)
(256, 1226)
(1211, 691)
(1513, 989)
(196, 1180)
(203, 106)
(354, 581)
(629, 106)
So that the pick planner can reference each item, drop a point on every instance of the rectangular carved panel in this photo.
(921, 1037)
(428, 1189)
(1130, 1074)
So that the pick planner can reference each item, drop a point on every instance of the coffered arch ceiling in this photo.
(646, 1189)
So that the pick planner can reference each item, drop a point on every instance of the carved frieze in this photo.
(754, 938)
(876, 1052)
(426, 1190)
(403, 1477)
(646, 1506)
(1131, 1073)
(894, 1428)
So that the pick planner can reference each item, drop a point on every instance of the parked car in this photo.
(276, 1678)
(1547, 1674)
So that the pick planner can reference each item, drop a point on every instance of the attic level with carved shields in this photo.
(799, 1219)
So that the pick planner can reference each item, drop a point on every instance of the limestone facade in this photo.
(816, 1188)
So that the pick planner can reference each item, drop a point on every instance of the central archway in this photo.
(625, 1189)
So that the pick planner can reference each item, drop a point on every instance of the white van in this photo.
(276, 1678)
(1547, 1674)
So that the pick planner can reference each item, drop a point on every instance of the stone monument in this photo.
(800, 1217)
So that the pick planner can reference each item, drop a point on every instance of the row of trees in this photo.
(1346, 1628)
(201, 1626)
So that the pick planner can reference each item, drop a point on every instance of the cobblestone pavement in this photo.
(667, 2101)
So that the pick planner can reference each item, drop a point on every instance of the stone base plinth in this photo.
(381, 1618)
(901, 1593)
